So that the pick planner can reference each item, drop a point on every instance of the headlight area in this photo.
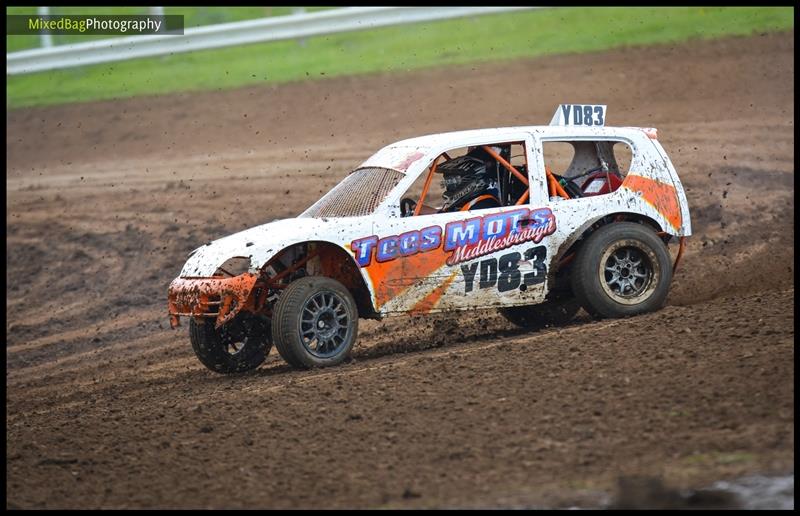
(235, 266)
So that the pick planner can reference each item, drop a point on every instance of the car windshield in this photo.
(358, 194)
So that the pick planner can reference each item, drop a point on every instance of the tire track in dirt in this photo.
(604, 367)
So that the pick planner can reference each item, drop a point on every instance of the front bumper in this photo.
(221, 298)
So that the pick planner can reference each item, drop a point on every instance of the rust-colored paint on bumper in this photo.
(192, 297)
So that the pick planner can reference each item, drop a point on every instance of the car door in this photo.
(464, 259)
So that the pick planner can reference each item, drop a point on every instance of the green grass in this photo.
(395, 49)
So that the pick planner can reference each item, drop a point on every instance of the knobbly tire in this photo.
(549, 313)
(314, 323)
(623, 269)
(237, 346)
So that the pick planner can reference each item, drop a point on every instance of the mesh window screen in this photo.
(359, 194)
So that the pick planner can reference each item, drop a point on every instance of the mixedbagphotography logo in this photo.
(89, 25)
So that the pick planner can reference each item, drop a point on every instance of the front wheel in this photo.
(623, 269)
(315, 323)
(239, 345)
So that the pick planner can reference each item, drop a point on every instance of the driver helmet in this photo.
(469, 176)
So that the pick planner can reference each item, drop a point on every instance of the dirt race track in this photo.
(107, 407)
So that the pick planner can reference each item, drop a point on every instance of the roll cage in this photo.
(511, 180)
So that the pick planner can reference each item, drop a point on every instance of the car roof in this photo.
(401, 154)
(434, 139)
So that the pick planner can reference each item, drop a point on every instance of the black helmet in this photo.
(467, 177)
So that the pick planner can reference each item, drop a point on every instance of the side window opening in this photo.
(470, 178)
(558, 156)
(594, 168)
(624, 157)
(434, 196)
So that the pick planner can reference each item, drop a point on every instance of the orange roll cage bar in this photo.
(427, 184)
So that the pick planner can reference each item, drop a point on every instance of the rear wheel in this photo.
(239, 345)
(623, 269)
(315, 322)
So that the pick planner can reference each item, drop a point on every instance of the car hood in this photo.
(262, 242)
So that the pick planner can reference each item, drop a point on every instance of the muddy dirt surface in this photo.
(107, 407)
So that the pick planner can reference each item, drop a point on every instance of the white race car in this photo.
(536, 221)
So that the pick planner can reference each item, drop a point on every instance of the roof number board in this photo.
(583, 115)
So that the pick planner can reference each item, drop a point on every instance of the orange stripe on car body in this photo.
(661, 196)
(426, 304)
(392, 278)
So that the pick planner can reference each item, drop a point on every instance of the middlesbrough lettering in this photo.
(467, 239)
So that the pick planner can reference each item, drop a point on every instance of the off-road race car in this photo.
(535, 221)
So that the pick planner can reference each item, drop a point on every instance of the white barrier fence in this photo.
(228, 34)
